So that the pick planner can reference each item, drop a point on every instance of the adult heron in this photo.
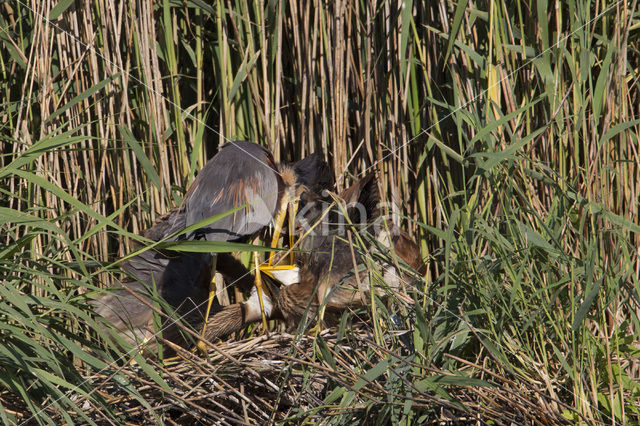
(241, 174)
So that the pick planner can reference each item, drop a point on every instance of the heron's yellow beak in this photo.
(282, 212)
(287, 273)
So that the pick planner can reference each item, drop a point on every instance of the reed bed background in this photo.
(505, 135)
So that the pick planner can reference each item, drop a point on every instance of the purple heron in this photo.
(241, 174)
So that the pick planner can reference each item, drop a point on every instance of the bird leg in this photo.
(279, 221)
(212, 293)
(319, 326)
(315, 330)
(259, 289)
(323, 297)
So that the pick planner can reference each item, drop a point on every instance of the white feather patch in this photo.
(287, 276)
(253, 304)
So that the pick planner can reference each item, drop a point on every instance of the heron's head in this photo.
(306, 183)
(291, 185)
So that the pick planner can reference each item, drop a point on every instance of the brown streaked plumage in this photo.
(234, 317)
(337, 290)
(326, 270)
(328, 277)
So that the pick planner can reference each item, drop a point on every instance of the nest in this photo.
(290, 378)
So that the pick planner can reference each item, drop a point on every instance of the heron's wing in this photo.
(167, 224)
(241, 173)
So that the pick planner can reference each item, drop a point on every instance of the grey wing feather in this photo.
(241, 173)
(167, 224)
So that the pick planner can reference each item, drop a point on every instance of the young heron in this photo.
(326, 279)
(333, 277)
